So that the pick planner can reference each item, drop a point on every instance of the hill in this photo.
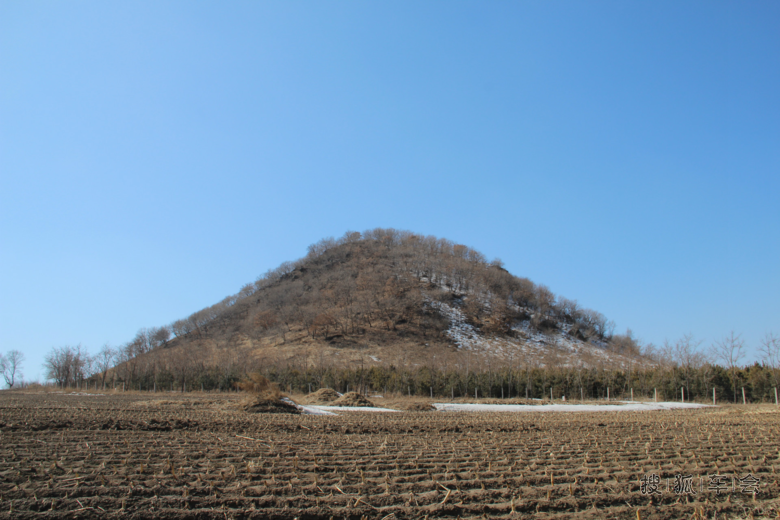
(391, 298)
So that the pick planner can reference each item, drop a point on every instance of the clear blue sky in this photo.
(155, 156)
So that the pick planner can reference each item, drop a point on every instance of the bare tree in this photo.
(247, 290)
(730, 350)
(82, 364)
(3, 364)
(688, 357)
(625, 344)
(103, 361)
(181, 363)
(11, 365)
(58, 364)
(68, 365)
(160, 336)
(770, 348)
(142, 341)
(127, 359)
(181, 327)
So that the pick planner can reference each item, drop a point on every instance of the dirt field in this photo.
(196, 456)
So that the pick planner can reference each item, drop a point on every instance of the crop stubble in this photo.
(198, 456)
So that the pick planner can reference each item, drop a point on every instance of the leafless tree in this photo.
(350, 237)
(127, 360)
(568, 309)
(543, 300)
(246, 291)
(688, 357)
(770, 349)
(58, 365)
(104, 361)
(82, 365)
(160, 336)
(11, 365)
(320, 247)
(181, 327)
(142, 341)
(67, 365)
(181, 363)
(595, 322)
(730, 350)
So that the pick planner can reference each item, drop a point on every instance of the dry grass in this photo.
(259, 385)
(352, 399)
(264, 396)
(321, 396)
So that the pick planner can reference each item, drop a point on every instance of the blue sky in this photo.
(155, 156)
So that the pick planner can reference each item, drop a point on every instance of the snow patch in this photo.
(558, 348)
(307, 410)
(625, 407)
(313, 410)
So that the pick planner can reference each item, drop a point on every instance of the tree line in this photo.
(574, 383)
(687, 371)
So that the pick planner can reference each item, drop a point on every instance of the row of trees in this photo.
(685, 366)
(691, 363)
(72, 366)
(75, 367)
(758, 381)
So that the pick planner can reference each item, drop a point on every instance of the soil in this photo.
(352, 399)
(105, 456)
(270, 406)
(420, 407)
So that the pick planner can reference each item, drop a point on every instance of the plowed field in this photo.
(174, 456)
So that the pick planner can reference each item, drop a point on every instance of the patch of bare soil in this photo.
(322, 396)
(269, 405)
(420, 407)
(180, 403)
(352, 399)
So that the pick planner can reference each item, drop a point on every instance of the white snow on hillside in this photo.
(558, 348)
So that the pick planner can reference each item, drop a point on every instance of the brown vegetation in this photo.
(322, 396)
(264, 396)
(259, 385)
(352, 399)
(366, 292)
